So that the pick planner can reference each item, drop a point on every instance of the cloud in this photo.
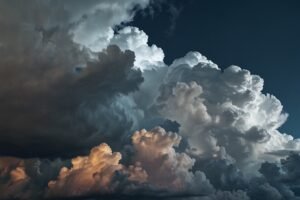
(88, 175)
(278, 181)
(73, 76)
(147, 57)
(186, 107)
(155, 166)
(64, 101)
(166, 168)
(226, 195)
(69, 88)
(100, 18)
(223, 110)
(13, 179)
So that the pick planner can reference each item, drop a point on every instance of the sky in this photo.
(262, 36)
(148, 99)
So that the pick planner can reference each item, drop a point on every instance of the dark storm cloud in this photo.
(54, 92)
(57, 103)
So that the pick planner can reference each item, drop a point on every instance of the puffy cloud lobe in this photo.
(193, 58)
(26, 178)
(13, 179)
(272, 182)
(135, 173)
(147, 57)
(89, 24)
(275, 183)
(185, 106)
(166, 168)
(223, 175)
(88, 174)
(155, 166)
(18, 174)
(233, 114)
(96, 19)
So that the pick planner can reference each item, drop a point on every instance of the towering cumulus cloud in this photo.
(89, 108)
(223, 111)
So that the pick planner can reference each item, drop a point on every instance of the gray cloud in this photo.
(78, 105)
(53, 90)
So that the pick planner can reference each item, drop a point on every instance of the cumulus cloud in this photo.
(166, 168)
(100, 18)
(13, 179)
(146, 57)
(88, 174)
(226, 110)
(186, 107)
(155, 166)
(73, 76)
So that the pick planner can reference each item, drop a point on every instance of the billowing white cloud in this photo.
(95, 20)
(186, 106)
(223, 110)
(146, 57)
(74, 75)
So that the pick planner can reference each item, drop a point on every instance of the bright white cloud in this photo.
(146, 57)
(223, 110)
(97, 19)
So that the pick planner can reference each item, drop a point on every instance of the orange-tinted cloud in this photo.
(166, 168)
(88, 174)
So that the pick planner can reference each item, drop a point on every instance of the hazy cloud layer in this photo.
(96, 111)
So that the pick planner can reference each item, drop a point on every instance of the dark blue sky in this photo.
(261, 36)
